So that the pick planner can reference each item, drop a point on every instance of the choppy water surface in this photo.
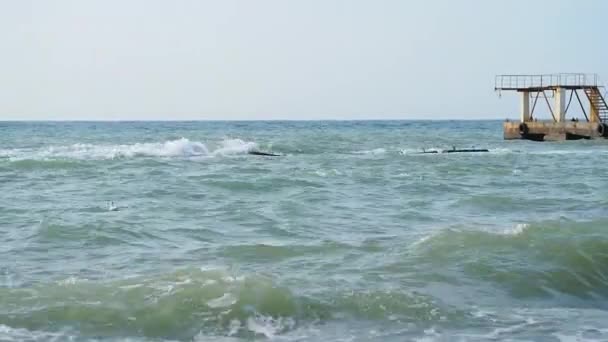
(350, 236)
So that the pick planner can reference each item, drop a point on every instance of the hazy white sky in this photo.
(285, 59)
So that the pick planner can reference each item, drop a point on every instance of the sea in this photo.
(172, 231)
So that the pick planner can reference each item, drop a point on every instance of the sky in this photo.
(286, 59)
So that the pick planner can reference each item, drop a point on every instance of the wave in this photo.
(185, 148)
(434, 151)
(16, 334)
(545, 259)
(183, 304)
(172, 148)
(376, 151)
(506, 151)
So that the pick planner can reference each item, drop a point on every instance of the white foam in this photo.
(235, 146)
(437, 150)
(424, 239)
(17, 334)
(69, 281)
(402, 175)
(232, 279)
(518, 229)
(130, 287)
(321, 173)
(269, 326)
(112, 206)
(205, 337)
(499, 333)
(500, 151)
(211, 268)
(235, 326)
(327, 173)
(221, 302)
(182, 147)
(376, 151)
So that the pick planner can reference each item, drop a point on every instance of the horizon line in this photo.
(244, 120)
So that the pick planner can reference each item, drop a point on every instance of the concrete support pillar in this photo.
(525, 106)
(560, 105)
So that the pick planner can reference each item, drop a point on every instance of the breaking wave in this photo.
(186, 148)
(187, 303)
(173, 148)
(546, 259)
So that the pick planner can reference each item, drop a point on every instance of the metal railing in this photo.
(512, 82)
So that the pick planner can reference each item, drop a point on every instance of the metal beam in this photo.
(549, 105)
(534, 105)
(582, 107)
(569, 101)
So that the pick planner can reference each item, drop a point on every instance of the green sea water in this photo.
(171, 231)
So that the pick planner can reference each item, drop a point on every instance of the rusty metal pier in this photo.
(561, 89)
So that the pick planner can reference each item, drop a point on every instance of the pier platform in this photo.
(565, 123)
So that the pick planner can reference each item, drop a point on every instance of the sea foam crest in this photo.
(182, 147)
(234, 146)
(19, 334)
(517, 229)
(268, 326)
(376, 151)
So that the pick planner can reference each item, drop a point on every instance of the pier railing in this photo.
(516, 82)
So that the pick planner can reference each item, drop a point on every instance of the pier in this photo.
(557, 92)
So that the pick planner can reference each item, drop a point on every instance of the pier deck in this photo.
(553, 131)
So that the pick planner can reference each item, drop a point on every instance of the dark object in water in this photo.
(267, 154)
(454, 150)
(469, 150)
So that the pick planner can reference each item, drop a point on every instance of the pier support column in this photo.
(560, 105)
(525, 106)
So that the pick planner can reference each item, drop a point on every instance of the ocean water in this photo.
(351, 235)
